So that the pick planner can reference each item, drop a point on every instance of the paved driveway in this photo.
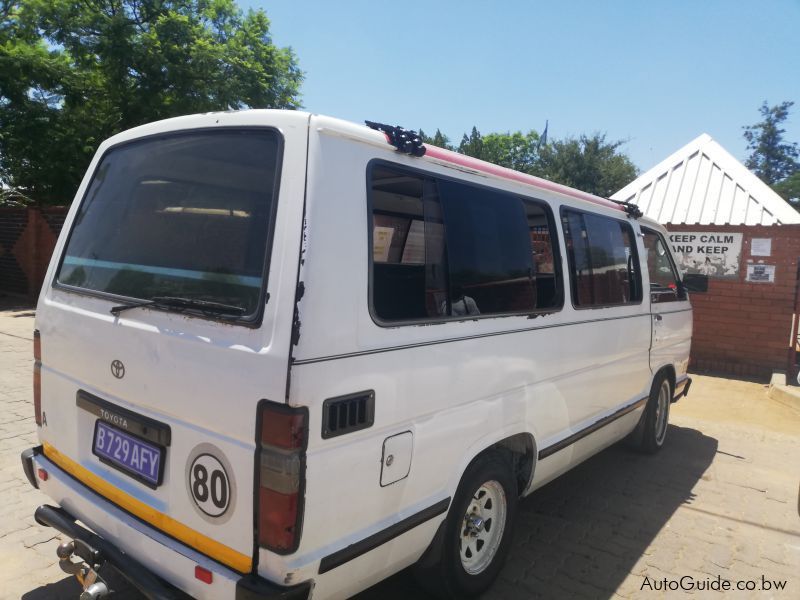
(720, 499)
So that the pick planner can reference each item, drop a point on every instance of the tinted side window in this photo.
(488, 250)
(664, 285)
(602, 259)
(408, 270)
(443, 249)
(546, 266)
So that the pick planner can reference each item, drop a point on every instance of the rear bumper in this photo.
(27, 464)
(155, 564)
(258, 588)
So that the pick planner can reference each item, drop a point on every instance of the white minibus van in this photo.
(280, 355)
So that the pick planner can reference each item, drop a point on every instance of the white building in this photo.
(702, 183)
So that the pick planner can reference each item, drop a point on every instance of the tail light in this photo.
(37, 377)
(282, 438)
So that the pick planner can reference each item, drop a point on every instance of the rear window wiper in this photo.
(178, 304)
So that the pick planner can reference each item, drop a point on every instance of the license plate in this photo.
(131, 455)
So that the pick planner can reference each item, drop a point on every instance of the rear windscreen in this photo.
(185, 215)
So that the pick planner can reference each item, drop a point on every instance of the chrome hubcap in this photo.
(662, 412)
(483, 526)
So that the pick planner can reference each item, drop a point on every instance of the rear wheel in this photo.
(477, 532)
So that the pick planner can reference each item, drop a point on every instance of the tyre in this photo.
(655, 421)
(477, 533)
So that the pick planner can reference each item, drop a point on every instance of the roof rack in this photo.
(631, 209)
(405, 140)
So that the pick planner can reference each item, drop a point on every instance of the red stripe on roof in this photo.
(485, 167)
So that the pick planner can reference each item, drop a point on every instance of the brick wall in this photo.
(27, 239)
(743, 328)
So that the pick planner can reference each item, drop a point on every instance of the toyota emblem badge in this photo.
(117, 369)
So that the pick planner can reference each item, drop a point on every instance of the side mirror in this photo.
(695, 282)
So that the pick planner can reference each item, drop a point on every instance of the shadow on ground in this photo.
(64, 588)
(68, 587)
(583, 533)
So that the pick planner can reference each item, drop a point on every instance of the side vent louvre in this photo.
(345, 414)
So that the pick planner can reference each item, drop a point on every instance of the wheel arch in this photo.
(667, 370)
(517, 447)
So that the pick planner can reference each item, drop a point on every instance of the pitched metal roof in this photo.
(703, 183)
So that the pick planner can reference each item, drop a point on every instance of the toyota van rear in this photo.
(162, 346)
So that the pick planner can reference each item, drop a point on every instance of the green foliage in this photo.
(439, 139)
(516, 150)
(73, 73)
(588, 163)
(472, 144)
(789, 189)
(771, 158)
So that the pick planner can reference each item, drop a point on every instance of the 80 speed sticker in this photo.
(210, 483)
(210, 487)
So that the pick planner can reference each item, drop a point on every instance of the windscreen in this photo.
(185, 215)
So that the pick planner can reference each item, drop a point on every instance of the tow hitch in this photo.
(86, 553)
(86, 569)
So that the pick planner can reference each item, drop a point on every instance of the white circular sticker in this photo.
(209, 485)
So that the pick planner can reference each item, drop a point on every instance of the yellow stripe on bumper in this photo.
(213, 549)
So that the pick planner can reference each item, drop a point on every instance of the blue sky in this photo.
(655, 73)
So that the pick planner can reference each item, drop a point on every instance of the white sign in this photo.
(761, 273)
(761, 247)
(712, 253)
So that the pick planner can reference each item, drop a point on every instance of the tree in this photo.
(771, 158)
(75, 73)
(588, 163)
(518, 151)
(789, 189)
(439, 139)
(472, 144)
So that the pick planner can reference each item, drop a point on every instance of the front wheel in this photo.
(477, 531)
(656, 417)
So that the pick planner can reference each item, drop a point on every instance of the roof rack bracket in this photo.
(405, 140)
(630, 209)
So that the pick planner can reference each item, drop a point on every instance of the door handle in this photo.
(657, 317)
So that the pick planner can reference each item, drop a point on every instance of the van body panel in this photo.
(672, 337)
(458, 386)
(201, 377)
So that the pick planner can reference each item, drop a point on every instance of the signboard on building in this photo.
(761, 273)
(761, 247)
(712, 253)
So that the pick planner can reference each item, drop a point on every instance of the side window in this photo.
(443, 249)
(546, 266)
(664, 281)
(602, 260)
(488, 250)
(408, 270)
